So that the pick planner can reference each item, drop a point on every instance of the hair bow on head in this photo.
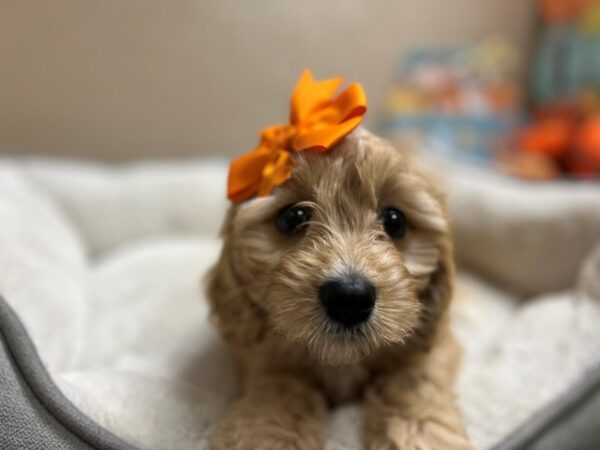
(318, 121)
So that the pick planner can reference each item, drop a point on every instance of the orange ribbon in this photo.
(317, 122)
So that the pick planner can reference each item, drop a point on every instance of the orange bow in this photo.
(317, 122)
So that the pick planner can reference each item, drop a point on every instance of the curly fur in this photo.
(294, 363)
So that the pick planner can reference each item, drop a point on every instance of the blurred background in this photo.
(129, 79)
(504, 83)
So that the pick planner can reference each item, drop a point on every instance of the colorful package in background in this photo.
(463, 103)
(567, 60)
(565, 90)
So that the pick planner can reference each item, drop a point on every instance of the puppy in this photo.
(336, 287)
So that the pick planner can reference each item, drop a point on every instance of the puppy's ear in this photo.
(436, 296)
(239, 321)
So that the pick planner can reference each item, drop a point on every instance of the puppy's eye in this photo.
(394, 222)
(292, 219)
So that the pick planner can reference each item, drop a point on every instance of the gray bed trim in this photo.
(570, 422)
(45, 395)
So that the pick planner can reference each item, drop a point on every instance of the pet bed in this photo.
(102, 266)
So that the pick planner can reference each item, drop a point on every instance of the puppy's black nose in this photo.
(348, 300)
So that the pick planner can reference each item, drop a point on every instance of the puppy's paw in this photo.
(258, 435)
(276, 413)
(257, 440)
(404, 434)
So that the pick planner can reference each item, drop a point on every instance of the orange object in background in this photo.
(584, 159)
(564, 139)
(561, 11)
(550, 137)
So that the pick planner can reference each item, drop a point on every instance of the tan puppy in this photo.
(334, 288)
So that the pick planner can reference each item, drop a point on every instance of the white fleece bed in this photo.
(104, 265)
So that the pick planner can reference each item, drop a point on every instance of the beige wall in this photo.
(123, 78)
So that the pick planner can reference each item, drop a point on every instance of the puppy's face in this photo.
(348, 255)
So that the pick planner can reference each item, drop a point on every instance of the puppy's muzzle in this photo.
(348, 300)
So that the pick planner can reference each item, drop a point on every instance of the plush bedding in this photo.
(103, 266)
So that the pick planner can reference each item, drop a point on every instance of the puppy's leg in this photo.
(414, 409)
(276, 412)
